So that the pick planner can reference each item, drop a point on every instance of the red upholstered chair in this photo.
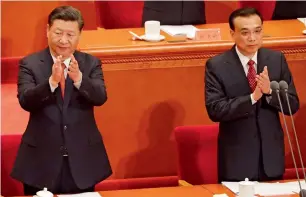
(119, 14)
(266, 8)
(197, 153)
(9, 147)
(290, 173)
(9, 69)
(137, 183)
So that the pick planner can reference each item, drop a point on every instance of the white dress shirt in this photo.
(67, 64)
(244, 61)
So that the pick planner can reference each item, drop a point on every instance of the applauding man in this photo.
(61, 148)
(238, 95)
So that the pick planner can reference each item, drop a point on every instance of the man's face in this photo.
(63, 37)
(248, 34)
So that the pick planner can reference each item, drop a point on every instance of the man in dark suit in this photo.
(289, 10)
(238, 95)
(62, 148)
(174, 12)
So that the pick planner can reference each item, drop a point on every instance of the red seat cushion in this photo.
(9, 148)
(197, 153)
(290, 173)
(137, 183)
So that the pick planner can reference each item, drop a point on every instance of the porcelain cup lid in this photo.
(246, 182)
(44, 193)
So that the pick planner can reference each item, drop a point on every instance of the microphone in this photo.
(284, 87)
(275, 87)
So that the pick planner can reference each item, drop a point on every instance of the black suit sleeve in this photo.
(93, 87)
(219, 107)
(30, 95)
(292, 94)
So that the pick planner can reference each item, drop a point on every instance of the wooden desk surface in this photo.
(180, 191)
(220, 189)
(194, 191)
(114, 43)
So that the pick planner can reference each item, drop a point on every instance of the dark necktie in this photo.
(252, 75)
(62, 82)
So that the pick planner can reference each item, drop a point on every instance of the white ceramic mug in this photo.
(246, 188)
(152, 30)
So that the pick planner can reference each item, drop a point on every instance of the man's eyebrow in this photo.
(246, 29)
(69, 31)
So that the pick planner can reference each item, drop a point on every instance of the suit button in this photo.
(46, 98)
(64, 151)
(86, 93)
(65, 128)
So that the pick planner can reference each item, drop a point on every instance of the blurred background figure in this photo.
(289, 10)
(174, 12)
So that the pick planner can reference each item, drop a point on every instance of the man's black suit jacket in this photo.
(246, 129)
(56, 124)
(289, 10)
(174, 12)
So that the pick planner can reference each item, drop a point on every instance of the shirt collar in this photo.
(66, 61)
(244, 59)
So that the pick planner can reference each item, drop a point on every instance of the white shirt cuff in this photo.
(52, 87)
(78, 84)
(252, 99)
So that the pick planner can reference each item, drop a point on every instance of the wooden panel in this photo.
(116, 46)
(298, 69)
(220, 189)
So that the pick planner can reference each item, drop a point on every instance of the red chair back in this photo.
(9, 69)
(197, 153)
(119, 14)
(266, 8)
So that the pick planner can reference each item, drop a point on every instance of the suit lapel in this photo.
(69, 83)
(238, 71)
(261, 60)
(46, 67)
(234, 60)
(47, 63)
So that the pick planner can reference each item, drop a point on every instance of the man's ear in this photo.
(232, 33)
(47, 30)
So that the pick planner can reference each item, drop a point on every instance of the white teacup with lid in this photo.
(246, 188)
(44, 193)
(152, 30)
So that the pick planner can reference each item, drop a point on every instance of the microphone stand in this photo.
(284, 87)
(275, 87)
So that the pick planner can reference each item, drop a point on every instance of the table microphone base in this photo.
(303, 193)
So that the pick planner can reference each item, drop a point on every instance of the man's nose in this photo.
(64, 40)
(252, 37)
